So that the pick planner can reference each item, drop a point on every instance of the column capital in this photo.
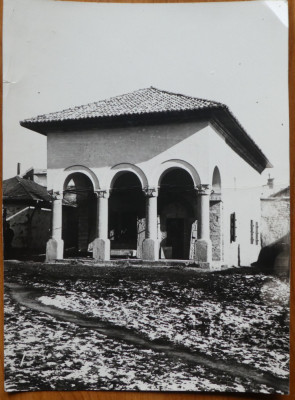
(57, 195)
(102, 194)
(204, 189)
(150, 192)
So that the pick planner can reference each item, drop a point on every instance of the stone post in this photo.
(55, 245)
(150, 245)
(101, 245)
(203, 246)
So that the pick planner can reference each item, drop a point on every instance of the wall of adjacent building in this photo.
(275, 219)
(29, 235)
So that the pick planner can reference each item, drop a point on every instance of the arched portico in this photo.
(133, 216)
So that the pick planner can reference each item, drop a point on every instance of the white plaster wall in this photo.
(103, 153)
(147, 147)
(245, 203)
(239, 196)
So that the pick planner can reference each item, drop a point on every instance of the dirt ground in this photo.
(135, 328)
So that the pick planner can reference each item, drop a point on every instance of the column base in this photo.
(54, 249)
(203, 251)
(101, 249)
(150, 250)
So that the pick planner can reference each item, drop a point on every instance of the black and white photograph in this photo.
(146, 196)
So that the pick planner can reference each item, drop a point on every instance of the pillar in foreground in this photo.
(55, 245)
(150, 245)
(101, 245)
(203, 246)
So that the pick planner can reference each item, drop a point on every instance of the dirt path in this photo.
(28, 297)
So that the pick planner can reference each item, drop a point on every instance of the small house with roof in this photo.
(27, 214)
(150, 175)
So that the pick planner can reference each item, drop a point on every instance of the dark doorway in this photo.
(175, 237)
(123, 230)
(79, 215)
(126, 208)
(177, 212)
(70, 227)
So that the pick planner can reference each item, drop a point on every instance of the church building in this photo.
(151, 175)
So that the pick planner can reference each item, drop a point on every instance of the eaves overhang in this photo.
(121, 121)
(153, 107)
(239, 140)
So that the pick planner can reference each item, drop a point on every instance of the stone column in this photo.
(101, 245)
(150, 245)
(55, 245)
(203, 246)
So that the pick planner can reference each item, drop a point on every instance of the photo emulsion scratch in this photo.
(146, 196)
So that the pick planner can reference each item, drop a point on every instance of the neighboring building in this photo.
(275, 230)
(151, 173)
(26, 217)
(36, 175)
(275, 216)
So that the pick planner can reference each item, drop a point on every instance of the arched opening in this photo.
(79, 214)
(126, 215)
(216, 213)
(216, 181)
(177, 210)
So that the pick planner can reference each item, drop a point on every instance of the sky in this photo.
(63, 54)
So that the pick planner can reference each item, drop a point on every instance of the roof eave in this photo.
(117, 121)
(239, 140)
(220, 117)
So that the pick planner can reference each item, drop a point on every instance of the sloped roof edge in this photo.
(153, 105)
(20, 189)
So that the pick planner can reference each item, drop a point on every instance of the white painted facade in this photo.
(167, 171)
(149, 152)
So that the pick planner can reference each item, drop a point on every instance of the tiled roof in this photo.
(139, 102)
(17, 188)
(153, 105)
(285, 192)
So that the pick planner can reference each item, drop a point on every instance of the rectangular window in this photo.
(233, 227)
(252, 231)
(256, 233)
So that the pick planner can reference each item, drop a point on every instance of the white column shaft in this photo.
(102, 216)
(57, 219)
(151, 217)
(204, 216)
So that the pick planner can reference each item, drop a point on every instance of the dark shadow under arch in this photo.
(79, 214)
(177, 212)
(126, 210)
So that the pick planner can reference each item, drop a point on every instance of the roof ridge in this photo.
(188, 96)
(32, 188)
(19, 179)
(279, 191)
(115, 97)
